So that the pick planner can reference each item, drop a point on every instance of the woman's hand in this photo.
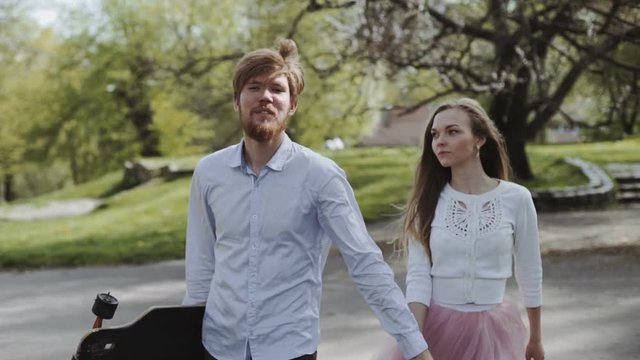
(534, 351)
(426, 355)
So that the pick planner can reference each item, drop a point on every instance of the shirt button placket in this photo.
(253, 255)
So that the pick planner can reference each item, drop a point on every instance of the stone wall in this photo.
(140, 171)
(598, 193)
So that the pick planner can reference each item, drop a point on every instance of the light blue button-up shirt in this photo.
(257, 245)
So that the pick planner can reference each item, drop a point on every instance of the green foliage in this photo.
(181, 131)
(147, 223)
(124, 79)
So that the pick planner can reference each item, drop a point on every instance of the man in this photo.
(262, 215)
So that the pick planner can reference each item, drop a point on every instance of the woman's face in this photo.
(453, 141)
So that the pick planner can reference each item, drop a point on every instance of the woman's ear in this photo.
(481, 141)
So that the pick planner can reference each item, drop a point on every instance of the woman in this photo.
(466, 226)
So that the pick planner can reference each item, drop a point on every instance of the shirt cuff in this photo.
(188, 300)
(533, 301)
(412, 346)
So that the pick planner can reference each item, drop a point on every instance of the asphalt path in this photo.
(591, 296)
(590, 312)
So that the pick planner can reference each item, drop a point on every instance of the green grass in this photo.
(98, 188)
(147, 223)
(623, 151)
(552, 172)
(144, 224)
(381, 178)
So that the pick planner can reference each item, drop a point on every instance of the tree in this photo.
(521, 58)
(17, 55)
(621, 86)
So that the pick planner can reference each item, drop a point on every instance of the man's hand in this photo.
(426, 355)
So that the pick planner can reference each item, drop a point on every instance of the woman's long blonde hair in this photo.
(431, 177)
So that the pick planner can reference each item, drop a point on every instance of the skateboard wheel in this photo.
(104, 306)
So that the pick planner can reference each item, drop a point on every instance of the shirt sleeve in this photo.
(341, 219)
(528, 264)
(418, 274)
(200, 239)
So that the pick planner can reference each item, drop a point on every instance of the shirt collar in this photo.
(276, 162)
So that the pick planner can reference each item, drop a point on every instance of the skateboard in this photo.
(160, 333)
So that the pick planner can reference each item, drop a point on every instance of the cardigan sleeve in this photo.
(528, 264)
(418, 274)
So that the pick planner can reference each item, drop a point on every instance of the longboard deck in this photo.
(160, 333)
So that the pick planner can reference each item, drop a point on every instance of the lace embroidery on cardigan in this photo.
(459, 215)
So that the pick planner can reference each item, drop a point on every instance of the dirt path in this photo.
(53, 209)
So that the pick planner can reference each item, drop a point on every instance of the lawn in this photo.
(147, 223)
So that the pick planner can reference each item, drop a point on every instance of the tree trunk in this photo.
(141, 116)
(508, 111)
(519, 160)
(9, 194)
(73, 159)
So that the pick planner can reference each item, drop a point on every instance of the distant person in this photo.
(466, 225)
(262, 216)
(334, 143)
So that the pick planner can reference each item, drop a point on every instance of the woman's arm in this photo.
(418, 280)
(534, 348)
(420, 312)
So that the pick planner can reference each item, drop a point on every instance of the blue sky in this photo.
(47, 12)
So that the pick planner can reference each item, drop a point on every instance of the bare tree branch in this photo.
(463, 28)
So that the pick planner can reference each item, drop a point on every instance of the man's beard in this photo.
(265, 130)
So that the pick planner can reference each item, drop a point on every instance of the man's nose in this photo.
(266, 95)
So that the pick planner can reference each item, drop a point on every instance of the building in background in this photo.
(399, 128)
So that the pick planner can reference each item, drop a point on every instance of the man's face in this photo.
(265, 105)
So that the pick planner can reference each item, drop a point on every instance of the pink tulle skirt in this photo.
(496, 334)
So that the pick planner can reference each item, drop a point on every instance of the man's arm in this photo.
(199, 249)
(341, 219)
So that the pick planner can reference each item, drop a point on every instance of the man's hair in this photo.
(283, 61)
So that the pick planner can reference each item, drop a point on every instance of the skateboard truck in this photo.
(103, 308)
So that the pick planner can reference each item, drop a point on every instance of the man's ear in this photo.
(294, 105)
(236, 103)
